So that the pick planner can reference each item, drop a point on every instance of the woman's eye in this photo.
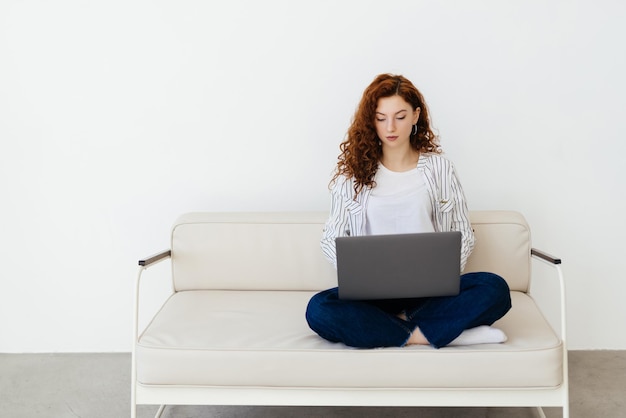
(380, 120)
(401, 117)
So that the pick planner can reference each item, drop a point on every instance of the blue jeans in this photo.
(483, 299)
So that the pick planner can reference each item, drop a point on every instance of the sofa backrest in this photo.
(258, 251)
(502, 247)
(281, 251)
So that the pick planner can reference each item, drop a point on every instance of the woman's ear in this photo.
(416, 115)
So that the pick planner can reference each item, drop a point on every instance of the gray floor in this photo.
(97, 386)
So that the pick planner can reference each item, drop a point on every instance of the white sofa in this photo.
(233, 331)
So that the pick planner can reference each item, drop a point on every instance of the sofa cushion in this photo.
(261, 339)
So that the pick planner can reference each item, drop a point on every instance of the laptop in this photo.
(399, 266)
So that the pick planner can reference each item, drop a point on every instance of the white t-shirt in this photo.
(399, 204)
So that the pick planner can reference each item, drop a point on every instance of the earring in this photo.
(414, 130)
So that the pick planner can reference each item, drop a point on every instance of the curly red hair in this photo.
(361, 150)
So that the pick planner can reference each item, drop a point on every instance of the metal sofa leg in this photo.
(160, 411)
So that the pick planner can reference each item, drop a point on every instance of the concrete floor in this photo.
(98, 386)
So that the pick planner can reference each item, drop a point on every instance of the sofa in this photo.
(233, 330)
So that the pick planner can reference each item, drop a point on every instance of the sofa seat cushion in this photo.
(261, 339)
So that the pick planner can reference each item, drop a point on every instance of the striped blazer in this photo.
(450, 212)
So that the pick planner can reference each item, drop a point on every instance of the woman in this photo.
(391, 179)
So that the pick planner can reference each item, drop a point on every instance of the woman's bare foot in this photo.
(417, 338)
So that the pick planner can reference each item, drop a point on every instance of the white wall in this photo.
(116, 116)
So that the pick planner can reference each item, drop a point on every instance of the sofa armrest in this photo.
(545, 256)
(556, 263)
(144, 263)
(155, 258)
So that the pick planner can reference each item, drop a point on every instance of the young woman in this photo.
(392, 179)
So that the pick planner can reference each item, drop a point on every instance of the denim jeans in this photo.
(483, 299)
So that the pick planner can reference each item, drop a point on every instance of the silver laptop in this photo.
(399, 266)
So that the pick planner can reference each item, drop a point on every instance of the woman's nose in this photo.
(391, 125)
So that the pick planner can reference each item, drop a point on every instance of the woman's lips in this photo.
(391, 138)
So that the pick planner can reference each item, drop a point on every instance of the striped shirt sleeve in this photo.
(338, 223)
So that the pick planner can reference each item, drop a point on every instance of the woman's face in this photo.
(394, 121)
